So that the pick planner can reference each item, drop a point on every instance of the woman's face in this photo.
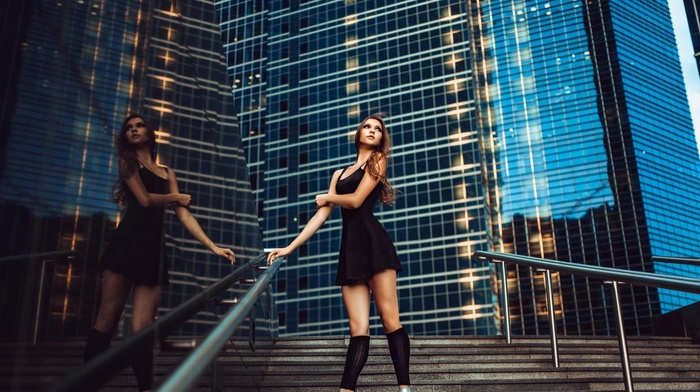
(136, 131)
(371, 133)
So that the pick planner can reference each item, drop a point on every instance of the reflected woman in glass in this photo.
(368, 262)
(134, 261)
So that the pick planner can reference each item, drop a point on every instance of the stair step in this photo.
(437, 364)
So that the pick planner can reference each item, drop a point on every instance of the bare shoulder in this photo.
(169, 171)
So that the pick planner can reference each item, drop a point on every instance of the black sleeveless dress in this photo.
(137, 248)
(365, 246)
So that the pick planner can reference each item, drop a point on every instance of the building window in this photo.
(254, 181)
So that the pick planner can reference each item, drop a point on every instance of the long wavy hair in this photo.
(128, 164)
(383, 151)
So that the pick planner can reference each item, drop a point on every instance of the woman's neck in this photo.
(363, 156)
(143, 155)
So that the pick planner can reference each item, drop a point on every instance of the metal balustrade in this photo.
(38, 266)
(105, 366)
(614, 276)
(187, 374)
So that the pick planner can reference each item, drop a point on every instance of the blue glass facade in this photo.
(325, 67)
(77, 68)
(537, 127)
(593, 157)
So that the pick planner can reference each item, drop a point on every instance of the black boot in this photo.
(97, 343)
(400, 350)
(142, 364)
(358, 351)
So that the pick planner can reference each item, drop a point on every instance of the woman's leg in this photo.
(144, 309)
(115, 291)
(383, 286)
(356, 299)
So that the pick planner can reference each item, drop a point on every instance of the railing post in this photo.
(552, 318)
(187, 373)
(622, 339)
(39, 301)
(506, 302)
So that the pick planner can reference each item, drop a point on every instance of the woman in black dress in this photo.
(135, 257)
(368, 261)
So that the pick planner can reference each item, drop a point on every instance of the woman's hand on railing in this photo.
(277, 253)
(225, 253)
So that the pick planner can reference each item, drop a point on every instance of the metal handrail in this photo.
(607, 274)
(677, 260)
(187, 374)
(100, 369)
(33, 261)
(61, 254)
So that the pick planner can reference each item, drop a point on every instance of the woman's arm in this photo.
(354, 200)
(311, 227)
(191, 224)
(147, 199)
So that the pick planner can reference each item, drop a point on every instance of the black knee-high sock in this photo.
(400, 350)
(355, 360)
(97, 343)
(142, 365)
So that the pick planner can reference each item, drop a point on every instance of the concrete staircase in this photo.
(437, 364)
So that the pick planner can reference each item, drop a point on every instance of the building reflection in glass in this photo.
(78, 69)
(586, 158)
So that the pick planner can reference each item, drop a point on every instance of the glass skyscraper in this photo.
(323, 67)
(75, 70)
(591, 150)
(557, 129)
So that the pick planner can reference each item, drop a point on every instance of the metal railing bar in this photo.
(96, 372)
(506, 300)
(66, 254)
(552, 320)
(603, 273)
(608, 275)
(677, 260)
(187, 374)
(622, 339)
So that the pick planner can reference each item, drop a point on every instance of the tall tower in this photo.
(544, 128)
(589, 151)
(325, 66)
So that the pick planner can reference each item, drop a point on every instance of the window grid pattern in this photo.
(328, 67)
(578, 172)
(109, 60)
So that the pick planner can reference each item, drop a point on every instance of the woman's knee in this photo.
(359, 327)
(390, 324)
